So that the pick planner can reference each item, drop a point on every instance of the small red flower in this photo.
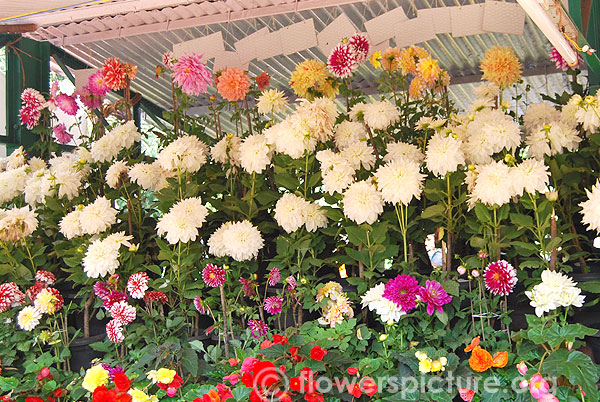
(33, 399)
(265, 374)
(318, 353)
(296, 384)
(263, 80)
(353, 371)
(354, 390)
(44, 373)
(313, 397)
(368, 386)
(266, 344)
(233, 362)
(58, 392)
(102, 394)
(284, 396)
(122, 383)
(280, 340)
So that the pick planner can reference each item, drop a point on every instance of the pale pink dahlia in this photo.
(213, 276)
(191, 75)
(434, 295)
(359, 43)
(114, 330)
(45, 276)
(123, 312)
(273, 304)
(61, 134)
(500, 278)
(292, 284)
(403, 291)
(342, 61)
(137, 285)
(274, 276)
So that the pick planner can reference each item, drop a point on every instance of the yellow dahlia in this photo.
(429, 69)
(409, 58)
(501, 66)
(312, 75)
(140, 396)
(375, 59)
(162, 375)
(95, 376)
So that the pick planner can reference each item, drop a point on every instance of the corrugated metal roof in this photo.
(149, 32)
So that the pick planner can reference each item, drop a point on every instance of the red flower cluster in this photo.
(116, 74)
(222, 393)
(171, 387)
(116, 394)
(305, 383)
(44, 374)
(365, 385)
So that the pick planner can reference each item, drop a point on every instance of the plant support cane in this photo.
(224, 310)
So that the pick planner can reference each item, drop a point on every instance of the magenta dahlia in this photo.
(213, 276)
(97, 84)
(292, 284)
(123, 312)
(101, 289)
(500, 278)
(32, 99)
(434, 295)
(191, 75)
(342, 61)
(87, 98)
(44, 276)
(274, 276)
(112, 298)
(560, 62)
(29, 117)
(137, 285)
(273, 304)
(359, 43)
(258, 328)
(403, 291)
(61, 133)
(114, 330)
(247, 287)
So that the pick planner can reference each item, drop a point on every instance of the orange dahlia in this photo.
(233, 84)
(390, 59)
(501, 66)
(311, 78)
(429, 69)
(500, 359)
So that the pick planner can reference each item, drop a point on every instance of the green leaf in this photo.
(483, 213)
(521, 220)
(433, 211)
(189, 360)
(591, 286)
(241, 393)
(577, 367)
(7, 384)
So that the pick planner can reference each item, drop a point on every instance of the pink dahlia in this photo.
(29, 117)
(67, 104)
(137, 285)
(291, 281)
(247, 287)
(87, 98)
(213, 276)
(274, 276)
(435, 296)
(500, 278)
(233, 84)
(273, 304)
(258, 328)
(61, 133)
(191, 75)
(155, 295)
(112, 298)
(403, 291)
(359, 44)
(466, 394)
(33, 291)
(114, 330)
(101, 290)
(342, 61)
(32, 99)
(560, 62)
(6, 297)
(123, 312)
(201, 307)
(263, 81)
(167, 60)
(45, 276)
(97, 84)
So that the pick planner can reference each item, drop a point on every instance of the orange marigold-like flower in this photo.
(501, 66)
(500, 359)
(410, 56)
(390, 59)
(474, 342)
(417, 87)
(233, 84)
(481, 359)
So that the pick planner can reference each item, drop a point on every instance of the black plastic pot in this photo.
(82, 354)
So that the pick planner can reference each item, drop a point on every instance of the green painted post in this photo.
(591, 35)
(28, 66)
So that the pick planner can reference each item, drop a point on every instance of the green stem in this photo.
(403, 222)
(251, 195)
(306, 170)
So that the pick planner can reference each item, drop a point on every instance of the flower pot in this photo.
(82, 354)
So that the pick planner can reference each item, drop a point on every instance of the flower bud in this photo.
(382, 337)
(523, 384)
(522, 368)
(569, 345)
(475, 273)
(552, 196)
(390, 323)
(303, 281)
(482, 255)
(461, 270)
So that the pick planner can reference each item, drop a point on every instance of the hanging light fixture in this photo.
(543, 21)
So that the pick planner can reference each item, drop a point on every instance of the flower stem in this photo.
(224, 310)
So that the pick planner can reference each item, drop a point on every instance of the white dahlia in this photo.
(362, 202)
(150, 176)
(400, 181)
(359, 154)
(290, 212)
(115, 174)
(385, 308)
(493, 185)
(315, 217)
(380, 115)
(97, 216)
(538, 114)
(185, 154)
(348, 133)
(29, 318)
(193, 208)
(255, 154)
(68, 183)
(12, 183)
(444, 154)
(36, 164)
(401, 149)
(102, 256)
(17, 224)
(177, 227)
(319, 116)
(531, 175)
(70, 225)
(486, 91)
(286, 138)
(16, 159)
(271, 101)
(227, 150)
(39, 186)
(590, 209)
(239, 240)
